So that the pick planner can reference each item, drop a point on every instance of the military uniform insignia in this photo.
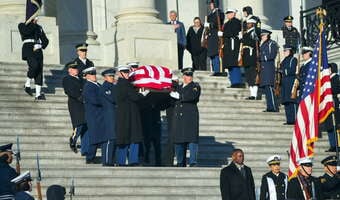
(195, 89)
(323, 180)
(108, 92)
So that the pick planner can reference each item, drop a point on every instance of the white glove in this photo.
(174, 95)
(37, 46)
(220, 34)
(206, 24)
(145, 92)
(240, 35)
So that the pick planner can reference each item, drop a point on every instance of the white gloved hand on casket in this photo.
(145, 92)
(174, 95)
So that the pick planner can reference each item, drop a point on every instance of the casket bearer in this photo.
(23, 186)
(133, 65)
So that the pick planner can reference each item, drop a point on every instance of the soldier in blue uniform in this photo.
(290, 33)
(7, 173)
(288, 72)
(73, 88)
(268, 52)
(82, 60)
(274, 183)
(93, 114)
(212, 49)
(34, 40)
(108, 95)
(330, 181)
(23, 186)
(186, 111)
(307, 53)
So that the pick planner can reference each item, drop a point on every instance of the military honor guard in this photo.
(181, 37)
(250, 41)
(34, 41)
(73, 88)
(194, 46)
(236, 180)
(248, 14)
(290, 33)
(55, 192)
(23, 186)
(129, 127)
(288, 73)
(215, 22)
(7, 173)
(185, 128)
(108, 95)
(268, 52)
(307, 53)
(82, 60)
(304, 185)
(94, 115)
(231, 49)
(330, 181)
(133, 65)
(274, 183)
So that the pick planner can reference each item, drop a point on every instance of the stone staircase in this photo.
(227, 121)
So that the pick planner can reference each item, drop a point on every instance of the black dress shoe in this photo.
(40, 98)
(288, 123)
(270, 111)
(193, 165)
(28, 91)
(134, 164)
(250, 98)
(331, 149)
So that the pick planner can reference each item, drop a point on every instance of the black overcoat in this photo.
(213, 29)
(294, 191)
(288, 71)
(231, 47)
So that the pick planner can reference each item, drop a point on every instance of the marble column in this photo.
(91, 36)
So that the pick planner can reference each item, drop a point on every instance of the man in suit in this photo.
(304, 185)
(23, 186)
(274, 183)
(7, 173)
(34, 41)
(108, 95)
(186, 98)
(82, 60)
(236, 180)
(181, 36)
(330, 181)
(73, 88)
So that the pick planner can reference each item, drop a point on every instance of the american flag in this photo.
(315, 106)
(32, 9)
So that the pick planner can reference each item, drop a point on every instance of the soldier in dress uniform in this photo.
(108, 95)
(129, 127)
(231, 30)
(73, 88)
(330, 181)
(55, 192)
(290, 33)
(250, 41)
(236, 180)
(186, 111)
(274, 183)
(288, 74)
(23, 186)
(7, 173)
(268, 52)
(307, 53)
(34, 40)
(248, 14)
(304, 185)
(212, 49)
(94, 115)
(82, 59)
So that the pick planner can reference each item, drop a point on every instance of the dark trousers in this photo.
(199, 62)
(180, 50)
(91, 152)
(181, 150)
(78, 132)
(270, 98)
(290, 110)
(156, 142)
(215, 63)
(125, 150)
(108, 152)
(235, 75)
(169, 159)
(35, 69)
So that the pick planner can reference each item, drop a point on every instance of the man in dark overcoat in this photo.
(236, 180)
(7, 173)
(82, 60)
(330, 181)
(290, 33)
(108, 96)
(73, 88)
(268, 52)
(185, 128)
(129, 127)
(94, 114)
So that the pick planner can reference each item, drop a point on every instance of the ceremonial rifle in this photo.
(204, 38)
(72, 188)
(258, 64)
(240, 53)
(38, 179)
(296, 81)
(220, 40)
(18, 157)
(277, 72)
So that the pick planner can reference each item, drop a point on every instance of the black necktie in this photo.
(243, 172)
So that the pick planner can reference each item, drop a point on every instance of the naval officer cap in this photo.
(273, 160)
(109, 72)
(308, 162)
(24, 177)
(90, 71)
(251, 21)
(123, 68)
(6, 147)
(73, 65)
(82, 47)
(330, 160)
(287, 47)
(265, 32)
(188, 71)
(230, 10)
(133, 64)
(306, 50)
(288, 18)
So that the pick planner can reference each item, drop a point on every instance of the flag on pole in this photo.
(315, 105)
(32, 9)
